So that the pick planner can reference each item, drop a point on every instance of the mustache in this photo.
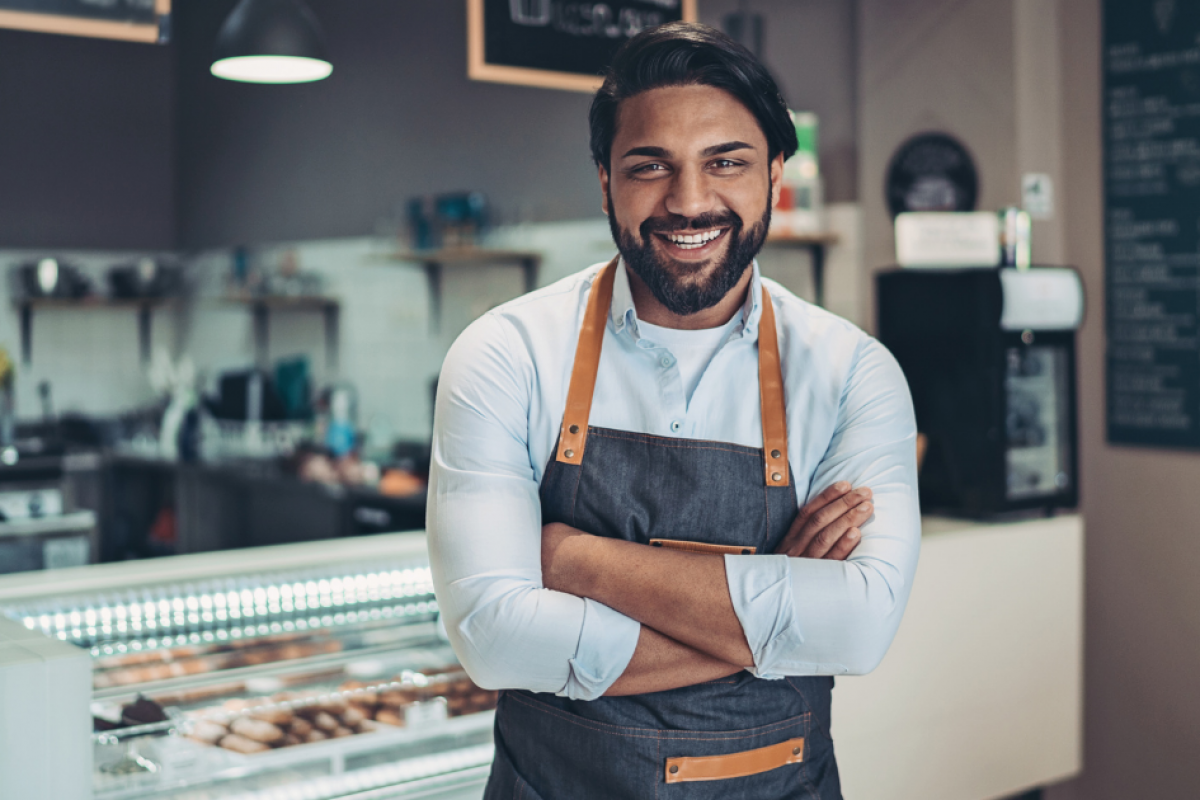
(675, 223)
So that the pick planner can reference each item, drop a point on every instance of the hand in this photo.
(559, 571)
(828, 526)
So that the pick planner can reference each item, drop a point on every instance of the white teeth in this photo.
(694, 240)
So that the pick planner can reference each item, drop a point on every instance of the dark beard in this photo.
(668, 281)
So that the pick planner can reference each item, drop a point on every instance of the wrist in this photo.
(565, 559)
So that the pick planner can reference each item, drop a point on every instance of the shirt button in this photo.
(667, 361)
(675, 426)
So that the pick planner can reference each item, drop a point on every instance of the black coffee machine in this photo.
(989, 354)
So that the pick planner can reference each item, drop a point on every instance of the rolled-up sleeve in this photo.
(484, 529)
(815, 617)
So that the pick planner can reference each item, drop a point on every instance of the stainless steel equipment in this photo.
(298, 671)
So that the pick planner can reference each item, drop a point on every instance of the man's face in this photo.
(689, 193)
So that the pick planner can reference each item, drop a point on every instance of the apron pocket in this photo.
(735, 765)
(769, 763)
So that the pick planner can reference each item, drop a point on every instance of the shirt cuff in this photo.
(761, 590)
(606, 644)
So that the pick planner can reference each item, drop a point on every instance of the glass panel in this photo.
(1038, 453)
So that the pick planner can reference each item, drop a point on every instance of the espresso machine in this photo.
(989, 354)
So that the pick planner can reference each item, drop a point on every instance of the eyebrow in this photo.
(650, 151)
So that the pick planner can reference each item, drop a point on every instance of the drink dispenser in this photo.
(989, 355)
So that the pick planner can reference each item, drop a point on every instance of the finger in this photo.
(828, 515)
(819, 543)
(795, 534)
(828, 536)
(823, 499)
(845, 545)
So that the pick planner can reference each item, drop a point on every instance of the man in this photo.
(619, 459)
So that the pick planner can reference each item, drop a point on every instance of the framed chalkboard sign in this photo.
(130, 20)
(559, 44)
(1152, 221)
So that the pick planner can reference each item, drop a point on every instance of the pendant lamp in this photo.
(271, 41)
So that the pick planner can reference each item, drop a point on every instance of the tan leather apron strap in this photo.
(770, 387)
(735, 765)
(572, 438)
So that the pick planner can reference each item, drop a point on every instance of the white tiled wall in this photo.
(89, 357)
(389, 348)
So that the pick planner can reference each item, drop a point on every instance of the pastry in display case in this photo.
(299, 671)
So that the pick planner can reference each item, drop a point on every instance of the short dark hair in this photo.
(689, 54)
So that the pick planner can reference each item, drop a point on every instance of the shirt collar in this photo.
(623, 314)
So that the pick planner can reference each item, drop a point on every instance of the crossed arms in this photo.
(690, 632)
(556, 610)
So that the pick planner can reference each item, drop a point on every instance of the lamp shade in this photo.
(271, 41)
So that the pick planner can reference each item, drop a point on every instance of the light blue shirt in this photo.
(500, 403)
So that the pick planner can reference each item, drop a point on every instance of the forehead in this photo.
(684, 118)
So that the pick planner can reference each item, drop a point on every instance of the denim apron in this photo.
(734, 738)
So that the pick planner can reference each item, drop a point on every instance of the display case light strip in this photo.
(253, 594)
(255, 630)
(210, 605)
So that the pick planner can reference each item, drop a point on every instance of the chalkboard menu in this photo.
(131, 20)
(1152, 220)
(561, 44)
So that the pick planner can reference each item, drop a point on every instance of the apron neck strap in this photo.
(572, 439)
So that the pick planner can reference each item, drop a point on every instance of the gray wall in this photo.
(86, 144)
(398, 117)
(811, 48)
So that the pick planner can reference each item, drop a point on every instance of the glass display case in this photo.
(325, 677)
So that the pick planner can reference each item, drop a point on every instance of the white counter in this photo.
(980, 695)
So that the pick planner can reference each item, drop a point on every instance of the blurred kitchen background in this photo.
(224, 307)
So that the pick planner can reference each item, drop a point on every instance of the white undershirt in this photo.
(692, 349)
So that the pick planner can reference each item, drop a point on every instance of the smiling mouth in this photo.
(693, 240)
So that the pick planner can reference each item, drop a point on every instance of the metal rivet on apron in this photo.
(745, 551)
(574, 429)
(569, 454)
(774, 477)
(795, 751)
(674, 768)
(775, 454)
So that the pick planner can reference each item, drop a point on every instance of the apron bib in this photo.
(737, 738)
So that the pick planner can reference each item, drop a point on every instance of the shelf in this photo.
(77, 522)
(824, 238)
(263, 305)
(284, 302)
(466, 255)
(144, 306)
(435, 261)
(815, 244)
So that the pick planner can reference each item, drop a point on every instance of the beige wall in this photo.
(944, 65)
(1019, 82)
(1142, 701)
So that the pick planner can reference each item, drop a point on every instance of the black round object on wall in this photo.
(932, 172)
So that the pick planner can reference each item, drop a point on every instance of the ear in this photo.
(776, 178)
(604, 190)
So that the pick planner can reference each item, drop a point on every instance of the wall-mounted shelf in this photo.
(263, 306)
(435, 261)
(143, 306)
(815, 244)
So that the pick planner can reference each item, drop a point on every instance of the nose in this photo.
(690, 195)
